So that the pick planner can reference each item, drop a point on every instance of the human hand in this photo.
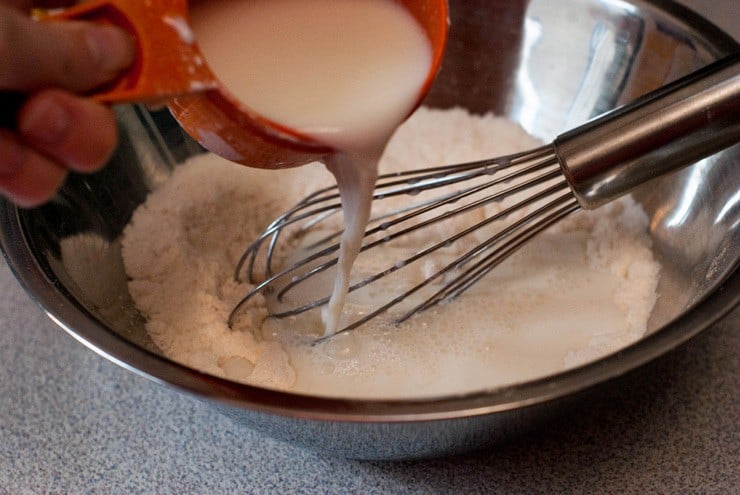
(56, 131)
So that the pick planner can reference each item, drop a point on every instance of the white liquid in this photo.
(343, 72)
(355, 177)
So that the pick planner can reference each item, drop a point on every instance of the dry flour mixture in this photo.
(579, 291)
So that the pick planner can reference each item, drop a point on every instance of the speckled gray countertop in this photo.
(72, 422)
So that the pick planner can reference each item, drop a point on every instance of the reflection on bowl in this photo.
(546, 65)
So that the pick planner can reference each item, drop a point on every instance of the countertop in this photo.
(72, 422)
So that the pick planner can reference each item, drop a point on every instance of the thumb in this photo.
(75, 56)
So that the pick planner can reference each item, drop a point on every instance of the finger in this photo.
(76, 56)
(27, 178)
(74, 131)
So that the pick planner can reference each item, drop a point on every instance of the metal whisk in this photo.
(674, 126)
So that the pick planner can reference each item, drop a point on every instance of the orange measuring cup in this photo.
(169, 66)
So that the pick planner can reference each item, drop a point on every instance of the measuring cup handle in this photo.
(167, 63)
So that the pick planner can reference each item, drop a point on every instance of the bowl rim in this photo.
(91, 332)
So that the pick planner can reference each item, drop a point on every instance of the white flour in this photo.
(580, 291)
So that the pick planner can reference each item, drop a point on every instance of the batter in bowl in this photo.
(575, 293)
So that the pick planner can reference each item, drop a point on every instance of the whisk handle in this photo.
(662, 131)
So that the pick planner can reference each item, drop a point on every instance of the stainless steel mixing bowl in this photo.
(547, 65)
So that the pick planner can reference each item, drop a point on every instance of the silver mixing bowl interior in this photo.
(546, 65)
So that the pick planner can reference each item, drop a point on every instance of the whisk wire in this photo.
(429, 222)
(278, 226)
(465, 280)
(518, 172)
(433, 177)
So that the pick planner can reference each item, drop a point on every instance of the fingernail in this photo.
(111, 48)
(45, 121)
